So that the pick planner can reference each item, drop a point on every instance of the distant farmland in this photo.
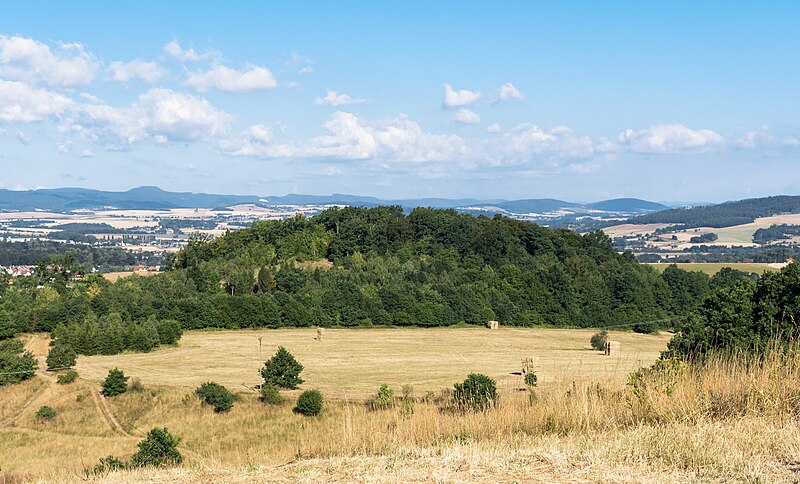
(712, 268)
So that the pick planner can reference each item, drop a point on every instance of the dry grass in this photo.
(730, 420)
(354, 362)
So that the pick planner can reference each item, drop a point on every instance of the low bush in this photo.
(531, 380)
(45, 413)
(599, 340)
(270, 395)
(309, 403)
(136, 386)
(215, 395)
(67, 377)
(116, 383)
(478, 392)
(384, 398)
(16, 364)
(158, 449)
(106, 465)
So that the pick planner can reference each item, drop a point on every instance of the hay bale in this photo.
(613, 348)
(493, 324)
(320, 334)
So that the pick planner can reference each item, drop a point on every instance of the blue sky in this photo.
(690, 101)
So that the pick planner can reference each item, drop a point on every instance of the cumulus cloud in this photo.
(508, 91)
(527, 143)
(765, 139)
(159, 115)
(223, 78)
(87, 154)
(454, 99)
(465, 116)
(669, 138)
(494, 128)
(23, 103)
(174, 50)
(136, 69)
(335, 99)
(24, 59)
(348, 137)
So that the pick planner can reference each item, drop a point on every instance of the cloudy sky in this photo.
(678, 101)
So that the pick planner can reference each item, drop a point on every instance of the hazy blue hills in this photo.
(154, 198)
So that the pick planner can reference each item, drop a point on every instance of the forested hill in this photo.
(431, 267)
(725, 214)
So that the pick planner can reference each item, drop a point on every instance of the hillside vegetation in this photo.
(725, 214)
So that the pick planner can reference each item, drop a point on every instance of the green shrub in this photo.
(407, 407)
(531, 380)
(282, 370)
(309, 403)
(116, 383)
(158, 449)
(106, 465)
(599, 340)
(169, 331)
(645, 328)
(215, 395)
(45, 413)
(270, 395)
(16, 364)
(478, 392)
(67, 377)
(384, 398)
(60, 356)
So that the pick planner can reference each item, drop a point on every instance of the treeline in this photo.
(718, 253)
(725, 214)
(775, 232)
(86, 257)
(747, 316)
(110, 334)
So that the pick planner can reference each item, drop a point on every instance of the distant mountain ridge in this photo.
(154, 198)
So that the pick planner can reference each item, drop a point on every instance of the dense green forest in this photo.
(725, 214)
(85, 257)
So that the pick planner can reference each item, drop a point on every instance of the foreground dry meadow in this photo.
(729, 422)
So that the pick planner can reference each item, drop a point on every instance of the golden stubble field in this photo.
(353, 363)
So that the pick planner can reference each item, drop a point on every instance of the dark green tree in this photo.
(116, 383)
(60, 356)
(282, 370)
(158, 449)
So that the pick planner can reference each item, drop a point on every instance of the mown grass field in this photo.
(352, 363)
(712, 268)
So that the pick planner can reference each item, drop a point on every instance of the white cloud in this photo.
(350, 138)
(159, 115)
(136, 69)
(528, 143)
(508, 91)
(33, 62)
(463, 97)
(254, 78)
(335, 99)
(261, 133)
(174, 50)
(305, 70)
(332, 171)
(465, 116)
(669, 138)
(21, 102)
(87, 154)
(494, 128)
(765, 139)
